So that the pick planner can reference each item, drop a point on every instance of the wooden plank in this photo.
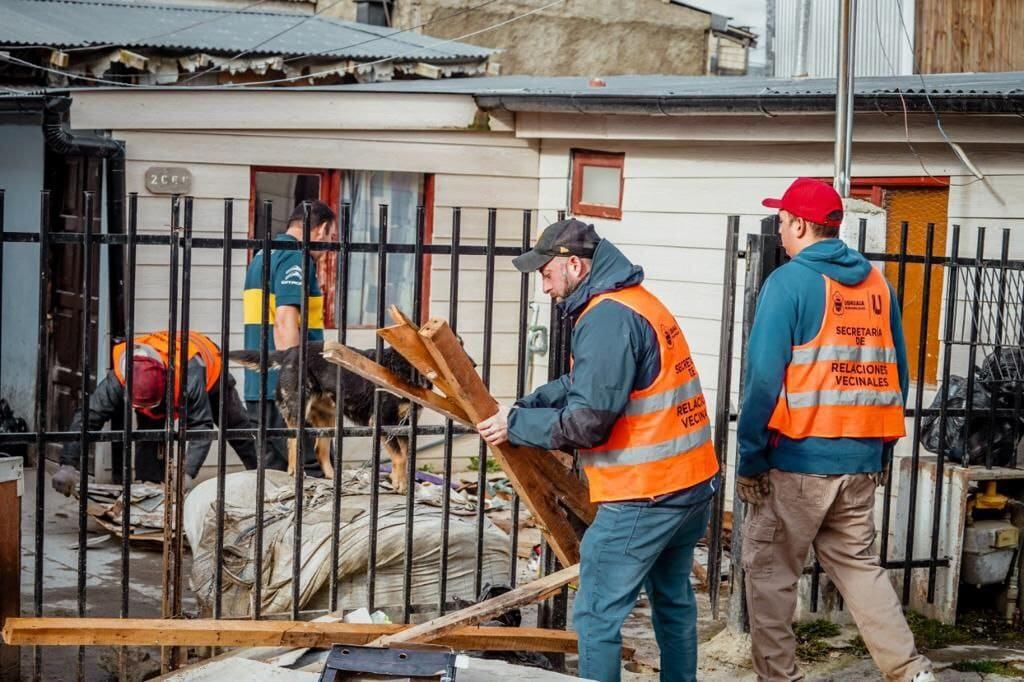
(532, 592)
(262, 633)
(547, 487)
(359, 364)
(10, 569)
(404, 337)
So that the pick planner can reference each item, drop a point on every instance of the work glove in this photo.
(65, 481)
(753, 489)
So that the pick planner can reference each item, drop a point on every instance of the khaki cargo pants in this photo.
(836, 515)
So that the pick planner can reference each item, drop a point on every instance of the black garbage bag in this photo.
(9, 423)
(1002, 374)
(985, 434)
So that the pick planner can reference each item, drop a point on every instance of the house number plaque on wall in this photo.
(168, 180)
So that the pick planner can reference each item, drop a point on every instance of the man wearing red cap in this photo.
(201, 395)
(826, 381)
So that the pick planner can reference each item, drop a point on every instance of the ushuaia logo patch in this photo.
(670, 334)
(837, 304)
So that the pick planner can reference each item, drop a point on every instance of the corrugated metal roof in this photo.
(124, 23)
(705, 86)
(984, 93)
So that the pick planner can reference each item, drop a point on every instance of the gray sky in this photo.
(744, 13)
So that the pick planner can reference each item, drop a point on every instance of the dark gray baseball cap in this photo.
(565, 238)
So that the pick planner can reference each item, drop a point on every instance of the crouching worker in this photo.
(632, 404)
(201, 397)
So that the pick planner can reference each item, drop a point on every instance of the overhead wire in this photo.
(924, 89)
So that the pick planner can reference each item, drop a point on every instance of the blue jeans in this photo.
(632, 545)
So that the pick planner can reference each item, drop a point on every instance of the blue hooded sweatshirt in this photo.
(615, 352)
(790, 311)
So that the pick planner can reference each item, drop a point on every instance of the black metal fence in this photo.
(975, 420)
(181, 244)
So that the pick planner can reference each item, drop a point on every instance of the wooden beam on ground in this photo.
(434, 630)
(360, 365)
(263, 633)
(543, 483)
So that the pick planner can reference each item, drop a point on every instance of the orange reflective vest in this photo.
(661, 443)
(844, 383)
(156, 345)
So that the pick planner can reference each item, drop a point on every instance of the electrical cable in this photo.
(959, 153)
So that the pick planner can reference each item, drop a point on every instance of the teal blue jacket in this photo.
(790, 310)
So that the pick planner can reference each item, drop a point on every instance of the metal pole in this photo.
(804, 26)
(844, 96)
(769, 39)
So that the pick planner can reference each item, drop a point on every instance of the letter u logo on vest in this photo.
(876, 304)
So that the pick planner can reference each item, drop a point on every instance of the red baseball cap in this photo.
(149, 381)
(812, 200)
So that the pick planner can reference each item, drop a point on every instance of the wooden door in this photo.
(918, 206)
(69, 177)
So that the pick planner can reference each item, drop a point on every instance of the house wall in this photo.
(21, 175)
(961, 37)
(580, 37)
(471, 170)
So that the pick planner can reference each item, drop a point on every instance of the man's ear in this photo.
(801, 228)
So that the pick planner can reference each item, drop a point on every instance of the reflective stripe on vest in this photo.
(844, 383)
(156, 345)
(661, 443)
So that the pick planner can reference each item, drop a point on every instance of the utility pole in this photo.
(769, 39)
(845, 64)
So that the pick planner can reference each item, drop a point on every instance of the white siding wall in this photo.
(472, 170)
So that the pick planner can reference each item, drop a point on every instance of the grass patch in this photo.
(988, 668)
(931, 634)
(492, 465)
(810, 639)
(858, 647)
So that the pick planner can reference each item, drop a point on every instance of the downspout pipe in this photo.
(63, 142)
(845, 62)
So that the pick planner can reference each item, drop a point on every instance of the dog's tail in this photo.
(250, 359)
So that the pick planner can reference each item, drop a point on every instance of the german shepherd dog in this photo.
(321, 400)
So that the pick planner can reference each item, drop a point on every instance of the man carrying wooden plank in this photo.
(632, 404)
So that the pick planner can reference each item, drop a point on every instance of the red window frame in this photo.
(330, 193)
(589, 157)
(873, 188)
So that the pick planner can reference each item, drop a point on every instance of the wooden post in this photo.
(547, 487)
(11, 488)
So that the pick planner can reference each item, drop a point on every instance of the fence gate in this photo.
(182, 246)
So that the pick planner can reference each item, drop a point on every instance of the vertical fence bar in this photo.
(182, 407)
(901, 282)
(521, 388)
(300, 413)
(446, 494)
(341, 322)
(264, 408)
(410, 466)
(382, 285)
(172, 326)
(1004, 257)
(922, 356)
(128, 446)
(940, 457)
(222, 406)
(2, 243)
(40, 416)
(84, 444)
(722, 410)
(979, 266)
(492, 230)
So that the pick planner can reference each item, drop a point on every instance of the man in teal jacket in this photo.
(815, 490)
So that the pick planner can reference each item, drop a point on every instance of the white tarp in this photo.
(353, 556)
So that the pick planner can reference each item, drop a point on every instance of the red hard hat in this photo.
(149, 381)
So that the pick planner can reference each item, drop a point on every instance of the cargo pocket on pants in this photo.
(760, 537)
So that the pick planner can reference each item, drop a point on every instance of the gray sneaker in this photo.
(66, 480)
(924, 676)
